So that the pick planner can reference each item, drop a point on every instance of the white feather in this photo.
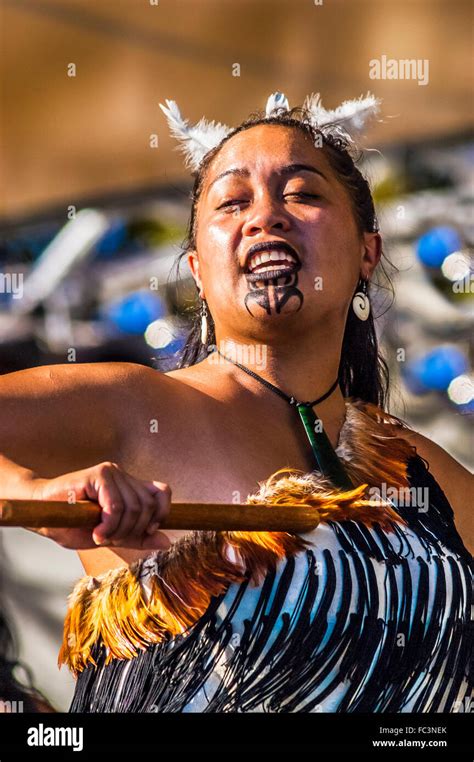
(346, 121)
(350, 117)
(195, 141)
(312, 103)
(275, 101)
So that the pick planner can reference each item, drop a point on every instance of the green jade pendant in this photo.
(326, 458)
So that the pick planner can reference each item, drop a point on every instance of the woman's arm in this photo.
(60, 418)
(55, 421)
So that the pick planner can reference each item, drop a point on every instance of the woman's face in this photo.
(270, 193)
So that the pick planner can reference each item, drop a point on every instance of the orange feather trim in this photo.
(129, 608)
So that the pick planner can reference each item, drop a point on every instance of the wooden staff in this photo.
(204, 516)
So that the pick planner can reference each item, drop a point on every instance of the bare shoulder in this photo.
(104, 387)
(88, 404)
(127, 388)
(114, 381)
(106, 375)
(456, 481)
(69, 377)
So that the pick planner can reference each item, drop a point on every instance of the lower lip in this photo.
(271, 274)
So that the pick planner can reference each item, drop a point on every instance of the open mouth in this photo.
(276, 268)
(280, 275)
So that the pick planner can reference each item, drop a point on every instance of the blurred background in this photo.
(95, 201)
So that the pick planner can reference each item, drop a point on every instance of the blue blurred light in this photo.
(435, 370)
(113, 239)
(135, 312)
(436, 244)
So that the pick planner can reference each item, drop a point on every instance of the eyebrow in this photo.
(289, 169)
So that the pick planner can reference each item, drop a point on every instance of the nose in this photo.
(265, 214)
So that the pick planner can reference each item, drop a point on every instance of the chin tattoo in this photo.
(273, 295)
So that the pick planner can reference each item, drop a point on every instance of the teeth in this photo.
(274, 256)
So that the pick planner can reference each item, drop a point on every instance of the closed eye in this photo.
(303, 195)
(236, 201)
(232, 202)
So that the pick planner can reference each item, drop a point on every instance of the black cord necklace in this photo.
(326, 457)
(273, 388)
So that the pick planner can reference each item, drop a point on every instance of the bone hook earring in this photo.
(204, 327)
(361, 302)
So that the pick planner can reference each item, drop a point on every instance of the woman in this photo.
(368, 614)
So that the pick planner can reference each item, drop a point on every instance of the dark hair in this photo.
(11, 688)
(363, 372)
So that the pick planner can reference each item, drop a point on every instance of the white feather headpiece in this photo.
(346, 121)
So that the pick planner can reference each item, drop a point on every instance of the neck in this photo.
(304, 370)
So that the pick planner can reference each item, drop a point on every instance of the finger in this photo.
(162, 496)
(111, 502)
(149, 508)
(132, 508)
